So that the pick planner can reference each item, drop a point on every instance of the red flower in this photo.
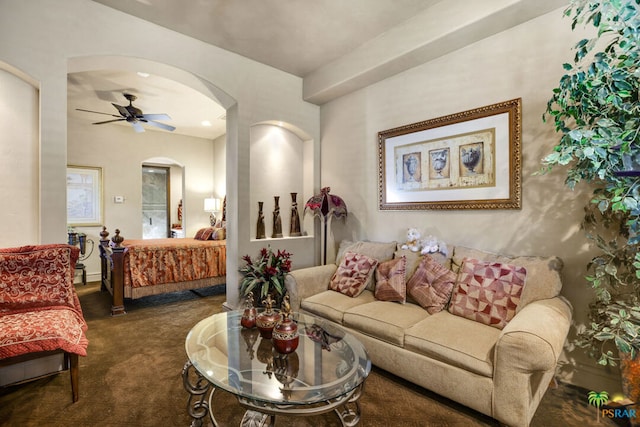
(266, 273)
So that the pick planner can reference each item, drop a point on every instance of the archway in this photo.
(122, 152)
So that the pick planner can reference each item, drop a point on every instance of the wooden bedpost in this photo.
(104, 259)
(117, 275)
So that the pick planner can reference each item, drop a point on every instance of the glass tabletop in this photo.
(328, 363)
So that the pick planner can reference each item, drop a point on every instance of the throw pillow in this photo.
(200, 233)
(546, 270)
(206, 234)
(219, 234)
(352, 274)
(431, 285)
(413, 260)
(390, 280)
(488, 292)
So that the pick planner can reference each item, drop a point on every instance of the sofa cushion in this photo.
(456, 341)
(384, 320)
(332, 305)
(543, 273)
(380, 251)
(390, 280)
(488, 292)
(352, 274)
(431, 285)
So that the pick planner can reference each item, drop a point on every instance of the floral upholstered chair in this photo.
(40, 314)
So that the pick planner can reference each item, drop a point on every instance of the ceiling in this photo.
(295, 36)
(318, 40)
(188, 108)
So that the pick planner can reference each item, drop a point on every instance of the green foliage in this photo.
(614, 315)
(596, 110)
(265, 275)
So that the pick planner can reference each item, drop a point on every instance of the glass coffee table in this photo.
(326, 372)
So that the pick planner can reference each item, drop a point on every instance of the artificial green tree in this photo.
(596, 110)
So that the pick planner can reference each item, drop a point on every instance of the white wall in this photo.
(220, 167)
(42, 38)
(525, 62)
(18, 180)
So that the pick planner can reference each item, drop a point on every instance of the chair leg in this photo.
(73, 368)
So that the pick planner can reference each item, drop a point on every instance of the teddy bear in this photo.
(413, 240)
(431, 245)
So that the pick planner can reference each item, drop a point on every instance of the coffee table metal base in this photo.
(262, 414)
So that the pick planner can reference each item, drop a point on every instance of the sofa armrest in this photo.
(305, 282)
(533, 339)
(526, 356)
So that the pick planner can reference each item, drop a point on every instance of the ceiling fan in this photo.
(134, 116)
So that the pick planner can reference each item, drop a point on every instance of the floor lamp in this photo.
(325, 206)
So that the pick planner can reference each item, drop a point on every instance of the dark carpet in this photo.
(132, 377)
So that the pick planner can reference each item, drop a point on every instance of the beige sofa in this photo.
(502, 373)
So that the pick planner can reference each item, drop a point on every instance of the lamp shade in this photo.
(212, 205)
(326, 205)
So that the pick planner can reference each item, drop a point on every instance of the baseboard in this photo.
(594, 377)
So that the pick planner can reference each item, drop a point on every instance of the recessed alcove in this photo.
(281, 159)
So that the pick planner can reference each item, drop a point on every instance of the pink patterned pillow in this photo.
(390, 281)
(488, 292)
(431, 285)
(351, 276)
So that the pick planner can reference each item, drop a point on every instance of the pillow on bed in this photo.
(204, 233)
(218, 234)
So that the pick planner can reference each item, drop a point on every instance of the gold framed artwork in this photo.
(467, 160)
(84, 196)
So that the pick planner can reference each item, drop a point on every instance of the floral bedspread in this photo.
(159, 261)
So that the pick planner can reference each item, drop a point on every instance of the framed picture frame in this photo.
(467, 160)
(84, 196)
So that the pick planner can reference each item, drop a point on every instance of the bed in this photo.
(138, 268)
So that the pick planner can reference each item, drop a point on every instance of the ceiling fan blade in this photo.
(155, 117)
(122, 110)
(97, 112)
(137, 126)
(108, 121)
(160, 125)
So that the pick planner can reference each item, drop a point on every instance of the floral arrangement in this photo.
(265, 274)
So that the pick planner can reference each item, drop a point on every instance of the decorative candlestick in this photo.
(260, 232)
(277, 220)
(294, 228)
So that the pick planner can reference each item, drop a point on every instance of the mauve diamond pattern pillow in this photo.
(390, 281)
(488, 292)
(431, 285)
(352, 274)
